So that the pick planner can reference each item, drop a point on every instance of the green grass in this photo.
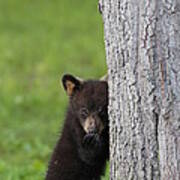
(40, 41)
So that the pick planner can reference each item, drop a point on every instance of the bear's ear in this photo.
(71, 83)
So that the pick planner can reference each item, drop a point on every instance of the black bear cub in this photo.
(82, 150)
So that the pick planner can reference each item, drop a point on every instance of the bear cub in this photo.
(83, 148)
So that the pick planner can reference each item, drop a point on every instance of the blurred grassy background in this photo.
(39, 41)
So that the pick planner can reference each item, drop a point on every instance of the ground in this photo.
(39, 41)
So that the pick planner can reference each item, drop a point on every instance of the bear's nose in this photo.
(92, 126)
(93, 130)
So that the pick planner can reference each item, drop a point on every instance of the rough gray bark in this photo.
(142, 39)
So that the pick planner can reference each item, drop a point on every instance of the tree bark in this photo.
(142, 39)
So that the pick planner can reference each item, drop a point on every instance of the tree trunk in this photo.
(142, 39)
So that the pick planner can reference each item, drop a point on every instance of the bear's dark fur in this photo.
(82, 150)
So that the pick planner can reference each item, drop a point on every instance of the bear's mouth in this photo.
(91, 140)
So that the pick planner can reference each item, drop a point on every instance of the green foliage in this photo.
(39, 42)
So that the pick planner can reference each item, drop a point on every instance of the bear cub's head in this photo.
(88, 101)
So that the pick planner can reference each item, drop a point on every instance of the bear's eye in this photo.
(102, 110)
(84, 112)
